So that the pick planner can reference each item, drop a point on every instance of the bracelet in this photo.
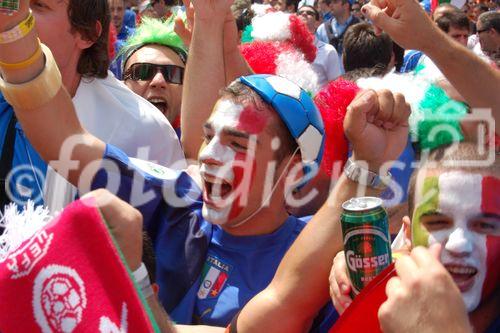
(19, 31)
(141, 277)
(365, 177)
(37, 92)
(26, 63)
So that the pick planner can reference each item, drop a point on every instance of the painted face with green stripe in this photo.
(461, 211)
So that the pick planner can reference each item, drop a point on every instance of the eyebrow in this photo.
(238, 134)
(488, 215)
(433, 213)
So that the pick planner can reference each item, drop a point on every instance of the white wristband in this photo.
(141, 277)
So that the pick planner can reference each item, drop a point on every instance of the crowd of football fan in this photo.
(219, 139)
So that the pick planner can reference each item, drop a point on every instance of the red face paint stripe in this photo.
(252, 121)
(241, 182)
(492, 280)
(490, 201)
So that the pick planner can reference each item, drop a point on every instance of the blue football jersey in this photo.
(205, 275)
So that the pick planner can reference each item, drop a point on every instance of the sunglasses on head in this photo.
(144, 71)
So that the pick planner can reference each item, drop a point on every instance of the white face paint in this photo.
(216, 162)
(464, 250)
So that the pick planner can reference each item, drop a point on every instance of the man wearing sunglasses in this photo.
(326, 64)
(488, 32)
(153, 67)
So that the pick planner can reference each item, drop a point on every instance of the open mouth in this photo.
(216, 191)
(160, 104)
(462, 275)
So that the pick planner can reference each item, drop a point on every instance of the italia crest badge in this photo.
(213, 277)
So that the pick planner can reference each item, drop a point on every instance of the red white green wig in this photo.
(279, 43)
(435, 117)
(430, 107)
(461, 211)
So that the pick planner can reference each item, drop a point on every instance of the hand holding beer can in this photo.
(9, 6)
(367, 243)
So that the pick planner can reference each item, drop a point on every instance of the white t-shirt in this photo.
(326, 64)
(112, 112)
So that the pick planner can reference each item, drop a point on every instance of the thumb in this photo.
(379, 17)
(435, 250)
(356, 116)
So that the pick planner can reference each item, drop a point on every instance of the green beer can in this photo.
(367, 243)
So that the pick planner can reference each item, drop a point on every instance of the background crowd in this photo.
(219, 139)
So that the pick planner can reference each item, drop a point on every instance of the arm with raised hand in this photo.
(204, 75)
(406, 23)
(300, 287)
(235, 64)
(49, 125)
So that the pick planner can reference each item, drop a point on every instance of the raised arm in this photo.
(406, 23)
(204, 75)
(300, 287)
(235, 64)
(47, 122)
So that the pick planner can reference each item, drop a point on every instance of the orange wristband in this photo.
(26, 63)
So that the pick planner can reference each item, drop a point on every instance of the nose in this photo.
(212, 153)
(158, 80)
(459, 243)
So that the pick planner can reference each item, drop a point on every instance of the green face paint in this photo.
(426, 201)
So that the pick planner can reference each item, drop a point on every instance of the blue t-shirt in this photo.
(27, 176)
(202, 271)
(237, 268)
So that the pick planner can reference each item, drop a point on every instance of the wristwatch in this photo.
(366, 177)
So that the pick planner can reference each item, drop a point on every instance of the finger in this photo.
(393, 286)
(181, 30)
(402, 110)
(422, 257)
(379, 3)
(336, 296)
(435, 250)
(356, 116)
(386, 107)
(339, 271)
(379, 18)
(406, 268)
(98, 198)
(384, 316)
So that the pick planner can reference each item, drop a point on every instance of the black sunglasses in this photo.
(144, 71)
(482, 30)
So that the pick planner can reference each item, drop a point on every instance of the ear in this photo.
(84, 43)
(407, 230)
(292, 169)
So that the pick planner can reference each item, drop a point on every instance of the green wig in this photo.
(157, 32)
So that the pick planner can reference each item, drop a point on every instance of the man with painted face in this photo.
(457, 207)
(261, 129)
(212, 256)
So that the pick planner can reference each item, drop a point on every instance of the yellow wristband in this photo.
(26, 63)
(37, 92)
(19, 31)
